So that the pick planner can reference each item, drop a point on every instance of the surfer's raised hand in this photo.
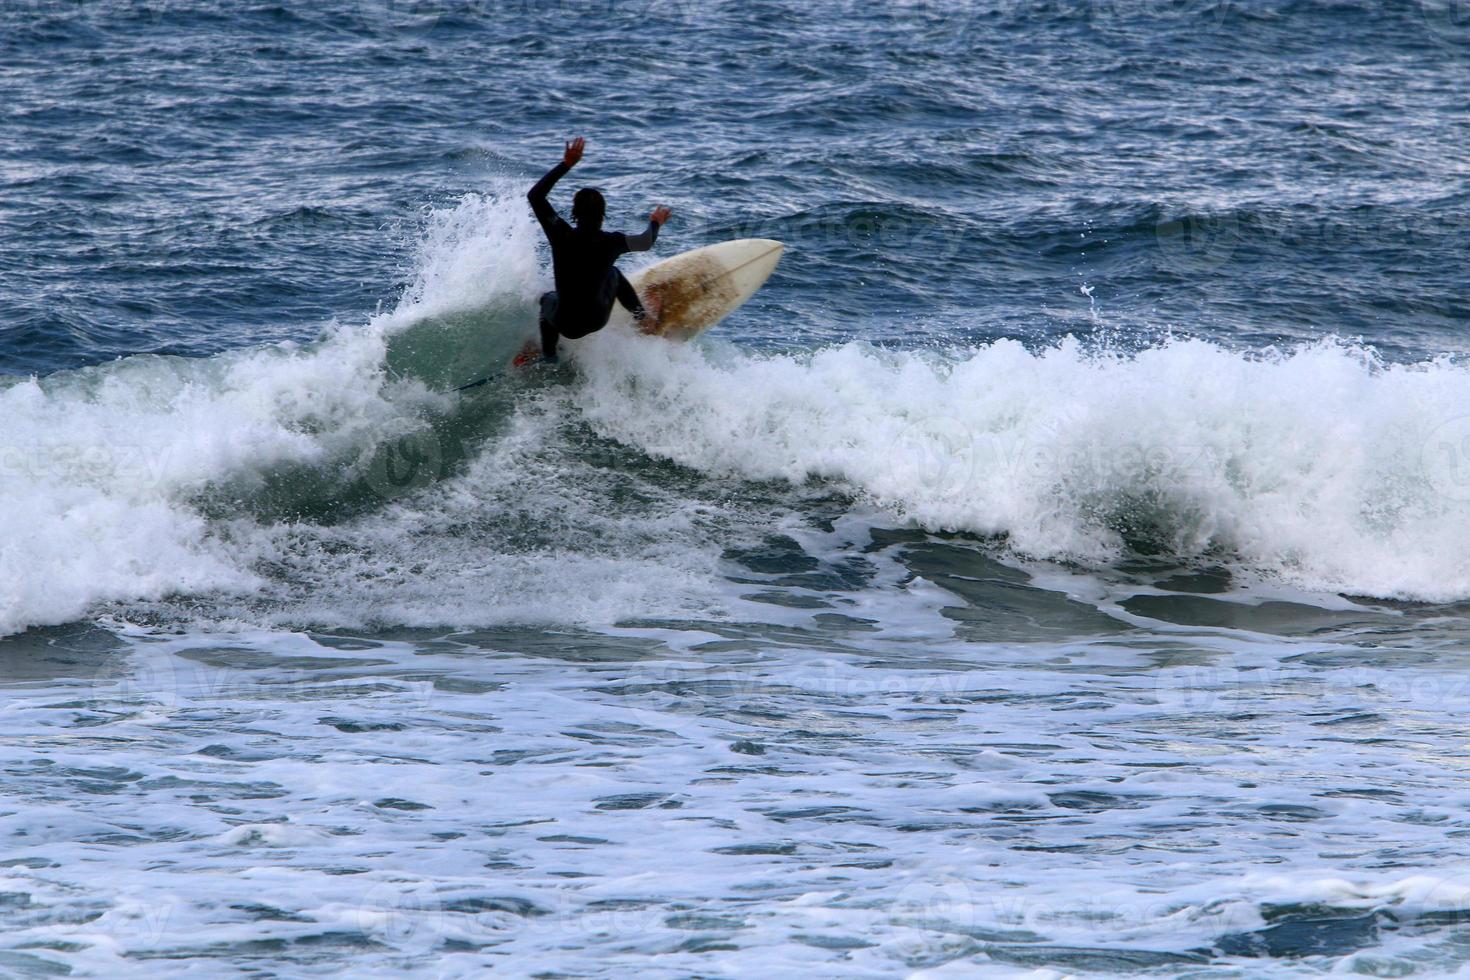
(660, 215)
(573, 153)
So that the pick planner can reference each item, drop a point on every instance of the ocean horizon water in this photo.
(1060, 568)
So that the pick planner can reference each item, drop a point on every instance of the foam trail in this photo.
(98, 467)
(102, 470)
(1323, 465)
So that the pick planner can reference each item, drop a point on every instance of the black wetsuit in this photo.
(587, 281)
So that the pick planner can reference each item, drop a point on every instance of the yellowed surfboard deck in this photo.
(691, 292)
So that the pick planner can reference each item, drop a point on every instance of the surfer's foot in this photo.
(652, 309)
(531, 355)
(644, 320)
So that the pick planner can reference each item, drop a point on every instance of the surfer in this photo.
(583, 257)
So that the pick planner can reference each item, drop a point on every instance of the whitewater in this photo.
(1321, 465)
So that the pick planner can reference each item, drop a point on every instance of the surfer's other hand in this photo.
(573, 153)
(660, 215)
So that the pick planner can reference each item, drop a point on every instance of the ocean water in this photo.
(1061, 568)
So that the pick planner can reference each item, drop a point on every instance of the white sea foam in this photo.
(478, 252)
(1323, 464)
(97, 466)
(685, 808)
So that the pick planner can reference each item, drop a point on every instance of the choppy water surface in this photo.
(1060, 568)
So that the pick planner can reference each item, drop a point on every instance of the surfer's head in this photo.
(589, 208)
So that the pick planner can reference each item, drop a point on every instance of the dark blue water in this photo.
(193, 177)
(1061, 563)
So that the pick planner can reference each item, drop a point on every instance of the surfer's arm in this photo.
(644, 242)
(545, 213)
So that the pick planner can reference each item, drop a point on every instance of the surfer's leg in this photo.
(549, 332)
(548, 341)
(628, 296)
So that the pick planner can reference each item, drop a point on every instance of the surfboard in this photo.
(691, 292)
(687, 294)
